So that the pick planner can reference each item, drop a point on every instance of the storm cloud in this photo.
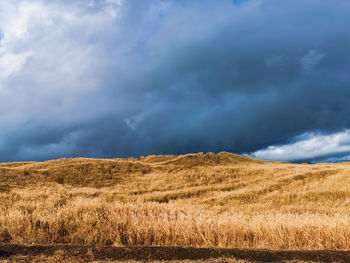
(120, 78)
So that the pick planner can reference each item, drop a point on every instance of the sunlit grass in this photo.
(202, 200)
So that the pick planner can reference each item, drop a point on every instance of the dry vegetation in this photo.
(62, 258)
(201, 200)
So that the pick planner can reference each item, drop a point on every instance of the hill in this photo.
(199, 200)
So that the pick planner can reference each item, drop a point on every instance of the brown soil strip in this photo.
(173, 253)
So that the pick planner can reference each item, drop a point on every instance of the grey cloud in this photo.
(176, 77)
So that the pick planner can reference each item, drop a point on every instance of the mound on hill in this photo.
(222, 158)
(157, 158)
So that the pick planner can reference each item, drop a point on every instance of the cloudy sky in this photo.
(120, 78)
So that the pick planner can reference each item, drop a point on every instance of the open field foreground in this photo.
(196, 200)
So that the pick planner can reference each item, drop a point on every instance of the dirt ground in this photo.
(19, 253)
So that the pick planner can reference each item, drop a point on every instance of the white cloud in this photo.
(14, 22)
(11, 63)
(113, 7)
(51, 59)
(15, 19)
(308, 146)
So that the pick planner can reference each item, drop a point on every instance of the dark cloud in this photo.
(177, 77)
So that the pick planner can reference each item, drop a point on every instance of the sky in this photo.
(126, 78)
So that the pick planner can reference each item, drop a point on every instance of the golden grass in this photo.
(202, 200)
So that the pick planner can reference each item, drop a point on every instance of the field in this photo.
(195, 201)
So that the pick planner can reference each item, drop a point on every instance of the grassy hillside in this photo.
(203, 200)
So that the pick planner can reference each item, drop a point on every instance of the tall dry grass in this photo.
(193, 200)
(89, 222)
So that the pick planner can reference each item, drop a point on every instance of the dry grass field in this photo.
(196, 200)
